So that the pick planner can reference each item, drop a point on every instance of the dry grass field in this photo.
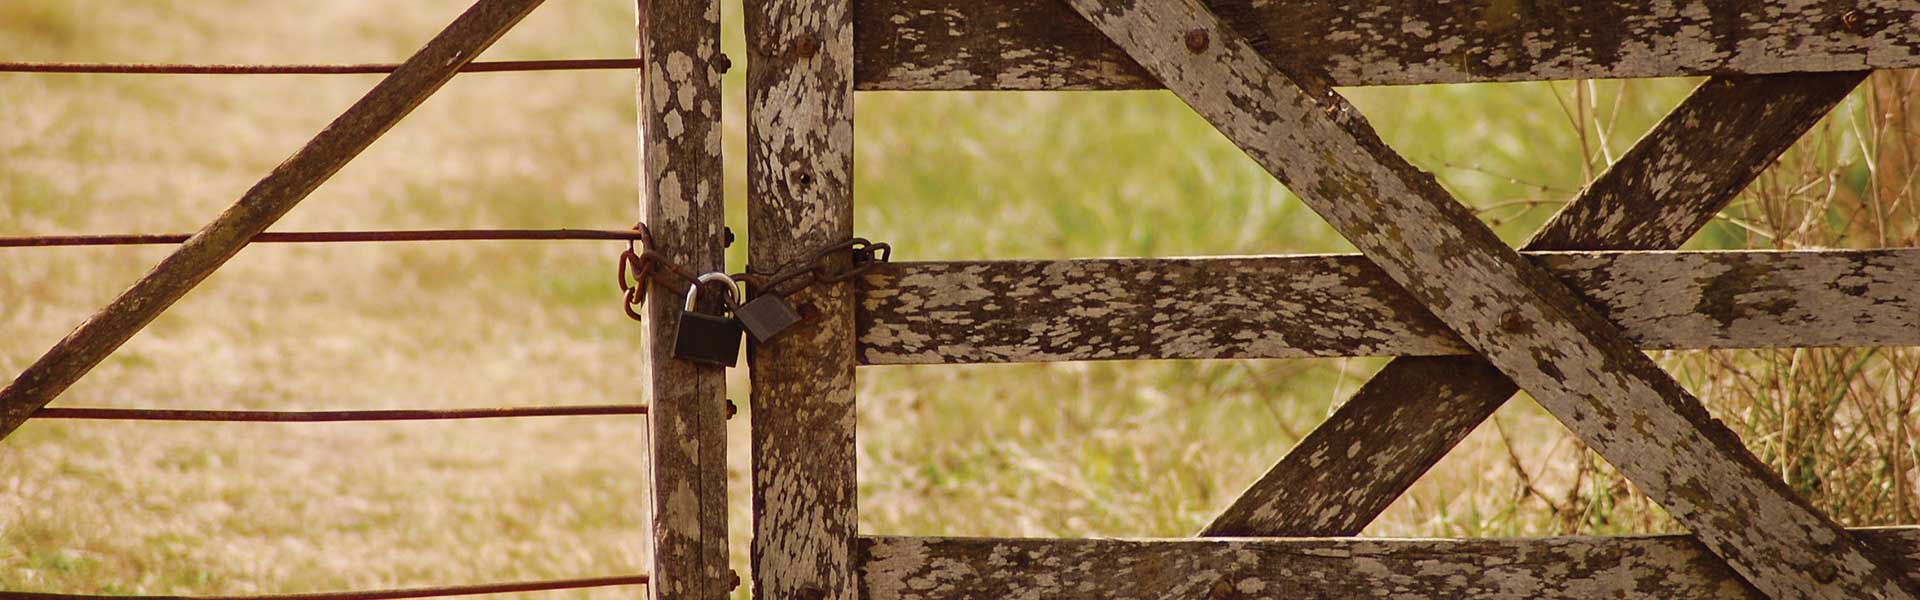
(1082, 449)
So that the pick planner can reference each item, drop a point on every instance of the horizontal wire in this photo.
(334, 416)
(433, 592)
(413, 235)
(346, 69)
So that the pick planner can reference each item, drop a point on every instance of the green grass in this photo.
(1110, 449)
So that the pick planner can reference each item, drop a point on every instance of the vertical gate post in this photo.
(682, 204)
(799, 199)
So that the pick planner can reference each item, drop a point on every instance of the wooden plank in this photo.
(389, 101)
(681, 202)
(1559, 568)
(1405, 419)
(800, 199)
(1527, 324)
(1040, 45)
(1343, 305)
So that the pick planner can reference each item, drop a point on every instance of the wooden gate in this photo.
(679, 97)
(1472, 319)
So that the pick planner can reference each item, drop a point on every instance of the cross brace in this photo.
(1527, 325)
(1413, 411)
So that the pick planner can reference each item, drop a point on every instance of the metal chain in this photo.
(640, 264)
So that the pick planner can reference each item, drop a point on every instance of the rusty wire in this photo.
(411, 235)
(335, 416)
(578, 64)
(432, 592)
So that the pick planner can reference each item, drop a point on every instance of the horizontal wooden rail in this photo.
(1341, 305)
(1651, 567)
(1043, 45)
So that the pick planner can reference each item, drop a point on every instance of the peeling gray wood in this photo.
(800, 198)
(1560, 568)
(1405, 419)
(1342, 305)
(682, 204)
(289, 183)
(1526, 323)
(1041, 45)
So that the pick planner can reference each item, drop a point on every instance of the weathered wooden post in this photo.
(800, 198)
(682, 204)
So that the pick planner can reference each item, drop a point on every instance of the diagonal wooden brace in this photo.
(1415, 410)
(389, 101)
(1528, 325)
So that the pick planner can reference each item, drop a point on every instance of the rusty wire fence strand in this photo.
(310, 69)
(415, 235)
(433, 592)
(334, 416)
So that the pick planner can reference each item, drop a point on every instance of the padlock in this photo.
(766, 317)
(708, 339)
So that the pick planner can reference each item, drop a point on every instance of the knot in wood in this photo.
(1197, 40)
(806, 46)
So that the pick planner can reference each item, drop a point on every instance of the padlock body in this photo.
(766, 317)
(707, 339)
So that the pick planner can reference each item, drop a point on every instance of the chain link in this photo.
(640, 265)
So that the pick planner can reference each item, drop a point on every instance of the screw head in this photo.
(806, 46)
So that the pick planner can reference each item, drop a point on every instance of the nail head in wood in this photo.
(1197, 41)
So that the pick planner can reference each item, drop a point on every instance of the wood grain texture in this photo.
(800, 199)
(1343, 305)
(1560, 568)
(1416, 409)
(289, 183)
(682, 204)
(1041, 45)
(1527, 324)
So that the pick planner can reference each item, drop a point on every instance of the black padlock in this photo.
(766, 317)
(708, 339)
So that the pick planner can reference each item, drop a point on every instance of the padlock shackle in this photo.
(693, 292)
